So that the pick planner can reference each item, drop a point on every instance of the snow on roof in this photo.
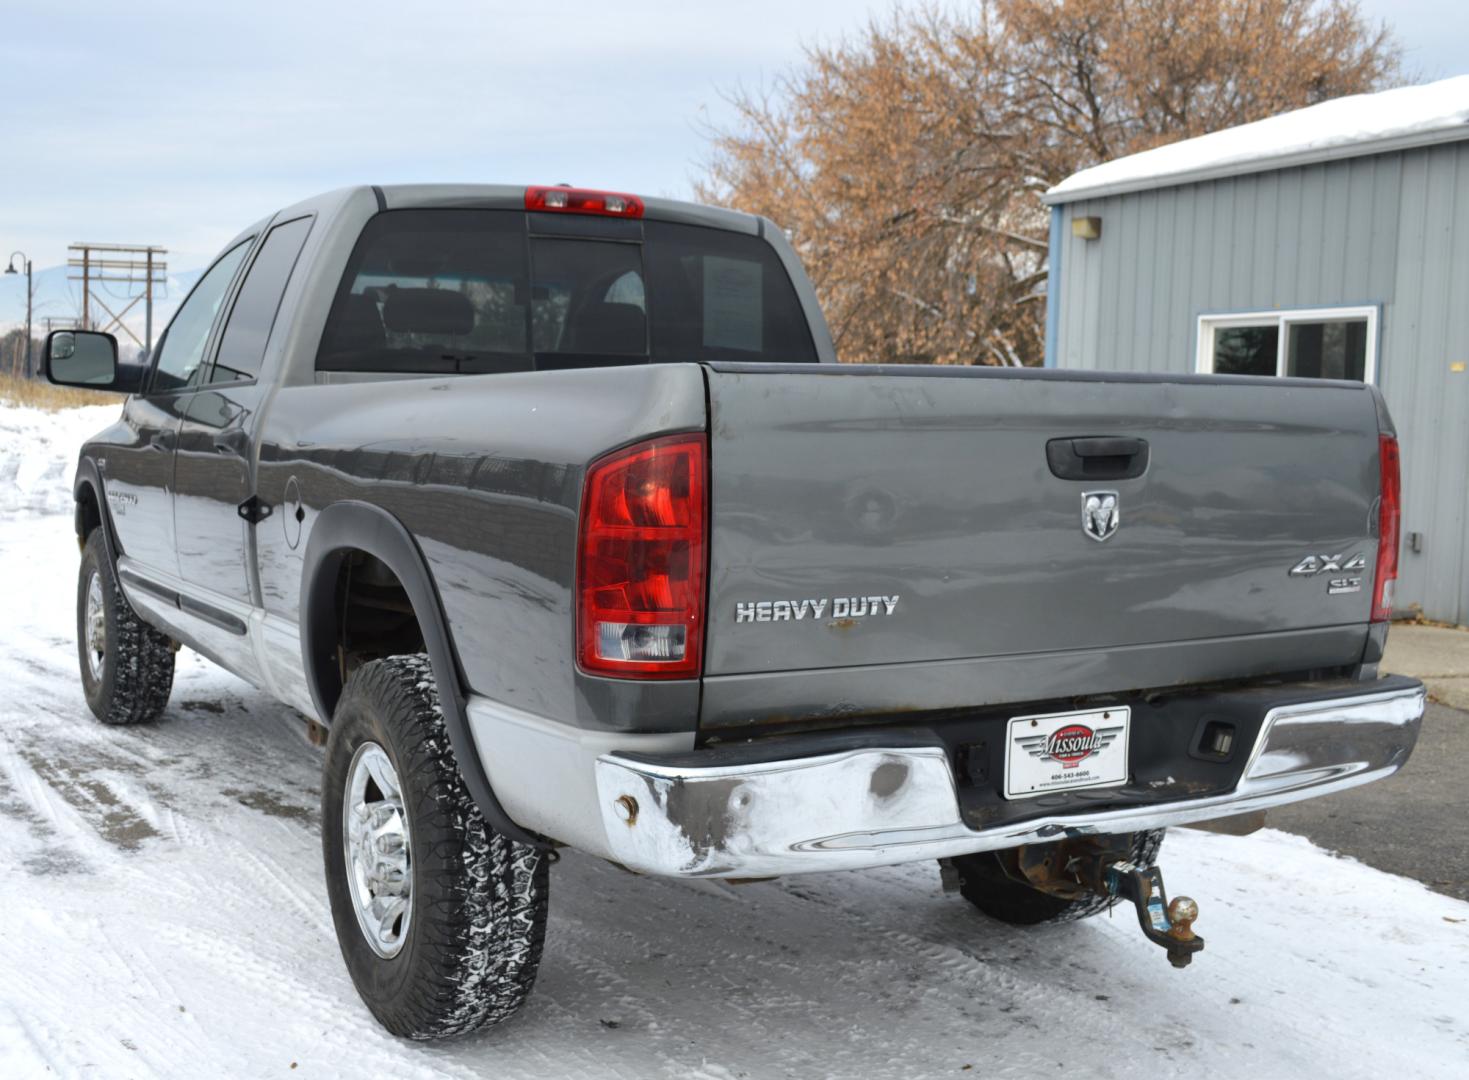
(1344, 127)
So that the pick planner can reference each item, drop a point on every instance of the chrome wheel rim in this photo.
(94, 627)
(375, 840)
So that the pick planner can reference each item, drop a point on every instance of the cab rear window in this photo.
(440, 291)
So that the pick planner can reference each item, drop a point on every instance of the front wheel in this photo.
(987, 882)
(440, 919)
(127, 665)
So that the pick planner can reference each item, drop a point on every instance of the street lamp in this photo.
(10, 270)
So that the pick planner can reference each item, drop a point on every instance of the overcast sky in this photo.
(180, 123)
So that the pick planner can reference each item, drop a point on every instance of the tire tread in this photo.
(480, 900)
(141, 658)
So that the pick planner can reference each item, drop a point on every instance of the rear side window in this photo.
(433, 291)
(722, 296)
(474, 291)
(243, 345)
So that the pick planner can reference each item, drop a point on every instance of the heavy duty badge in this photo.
(841, 607)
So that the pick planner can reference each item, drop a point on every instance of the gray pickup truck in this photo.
(554, 513)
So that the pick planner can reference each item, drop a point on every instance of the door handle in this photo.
(1116, 457)
(234, 442)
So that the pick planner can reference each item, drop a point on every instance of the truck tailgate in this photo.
(881, 515)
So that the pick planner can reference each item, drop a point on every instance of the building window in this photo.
(1315, 343)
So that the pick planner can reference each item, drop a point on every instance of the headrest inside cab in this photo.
(428, 311)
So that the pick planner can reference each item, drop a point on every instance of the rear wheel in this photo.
(127, 665)
(990, 881)
(440, 919)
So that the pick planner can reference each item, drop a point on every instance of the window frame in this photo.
(232, 297)
(1281, 319)
(776, 259)
(206, 361)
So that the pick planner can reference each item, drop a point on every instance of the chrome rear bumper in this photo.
(878, 807)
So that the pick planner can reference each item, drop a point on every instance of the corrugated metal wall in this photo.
(1390, 230)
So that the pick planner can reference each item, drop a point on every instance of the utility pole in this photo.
(30, 295)
(148, 307)
(135, 266)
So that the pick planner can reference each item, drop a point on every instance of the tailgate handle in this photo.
(1112, 457)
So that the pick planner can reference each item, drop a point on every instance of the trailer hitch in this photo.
(1081, 866)
(1165, 923)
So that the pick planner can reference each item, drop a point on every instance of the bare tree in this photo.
(907, 164)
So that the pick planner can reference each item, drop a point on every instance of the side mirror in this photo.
(88, 360)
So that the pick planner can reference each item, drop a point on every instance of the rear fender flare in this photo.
(350, 526)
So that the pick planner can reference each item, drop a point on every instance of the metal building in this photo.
(1330, 242)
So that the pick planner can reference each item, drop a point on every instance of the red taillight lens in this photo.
(1389, 520)
(583, 201)
(640, 561)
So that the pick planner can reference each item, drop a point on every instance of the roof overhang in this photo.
(1363, 125)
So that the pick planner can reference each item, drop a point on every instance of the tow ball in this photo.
(1076, 867)
(1165, 923)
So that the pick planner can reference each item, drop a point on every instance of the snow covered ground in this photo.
(165, 915)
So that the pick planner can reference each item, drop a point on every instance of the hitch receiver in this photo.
(1163, 923)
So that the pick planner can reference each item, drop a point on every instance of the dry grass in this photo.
(1414, 617)
(42, 395)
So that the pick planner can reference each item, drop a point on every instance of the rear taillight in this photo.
(640, 561)
(583, 201)
(1389, 519)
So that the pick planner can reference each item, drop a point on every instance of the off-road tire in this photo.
(136, 674)
(473, 942)
(985, 884)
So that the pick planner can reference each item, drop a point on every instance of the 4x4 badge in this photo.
(1312, 565)
(1100, 514)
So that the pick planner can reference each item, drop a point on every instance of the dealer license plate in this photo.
(1066, 751)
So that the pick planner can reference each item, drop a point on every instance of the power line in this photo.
(124, 264)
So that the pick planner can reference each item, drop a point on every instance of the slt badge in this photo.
(1100, 514)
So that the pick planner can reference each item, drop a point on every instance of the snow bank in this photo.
(38, 455)
(1362, 123)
